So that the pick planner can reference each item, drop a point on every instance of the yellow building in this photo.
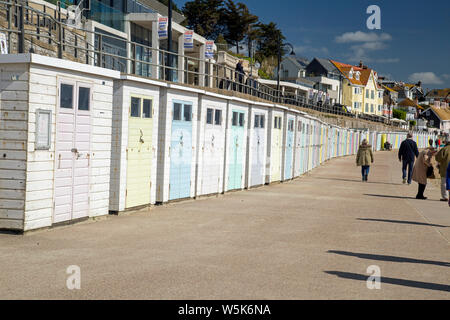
(360, 89)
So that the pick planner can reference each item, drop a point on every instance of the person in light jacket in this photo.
(420, 170)
(364, 158)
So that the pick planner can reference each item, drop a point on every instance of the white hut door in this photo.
(73, 131)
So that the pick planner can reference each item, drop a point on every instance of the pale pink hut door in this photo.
(73, 131)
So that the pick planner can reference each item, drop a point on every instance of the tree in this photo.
(268, 42)
(205, 17)
(399, 114)
(237, 19)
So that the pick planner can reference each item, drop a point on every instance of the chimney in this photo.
(360, 63)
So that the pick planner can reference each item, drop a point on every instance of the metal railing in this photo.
(35, 24)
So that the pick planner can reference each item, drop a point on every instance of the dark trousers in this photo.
(365, 171)
(421, 190)
(409, 165)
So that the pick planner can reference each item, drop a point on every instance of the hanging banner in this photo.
(209, 49)
(311, 94)
(189, 40)
(3, 44)
(162, 28)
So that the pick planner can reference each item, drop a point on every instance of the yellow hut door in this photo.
(139, 152)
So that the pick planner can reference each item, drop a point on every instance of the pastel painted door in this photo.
(213, 152)
(73, 132)
(180, 151)
(139, 152)
(289, 149)
(277, 145)
(235, 164)
(298, 149)
(258, 144)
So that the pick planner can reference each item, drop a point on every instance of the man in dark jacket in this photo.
(407, 154)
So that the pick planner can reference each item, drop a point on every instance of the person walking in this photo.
(407, 153)
(421, 170)
(364, 159)
(443, 158)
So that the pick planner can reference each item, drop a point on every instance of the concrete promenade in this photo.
(310, 238)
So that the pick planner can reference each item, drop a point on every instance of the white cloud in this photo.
(425, 77)
(360, 36)
(362, 43)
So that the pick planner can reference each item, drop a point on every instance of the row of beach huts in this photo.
(78, 141)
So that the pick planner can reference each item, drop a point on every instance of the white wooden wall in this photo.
(13, 142)
(41, 163)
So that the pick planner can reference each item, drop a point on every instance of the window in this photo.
(83, 98)
(135, 107)
(66, 96)
(241, 119)
(367, 107)
(177, 111)
(147, 108)
(234, 120)
(291, 125)
(371, 107)
(257, 120)
(357, 75)
(356, 105)
(218, 117)
(299, 126)
(261, 121)
(187, 112)
(372, 94)
(379, 108)
(367, 94)
(277, 123)
(209, 116)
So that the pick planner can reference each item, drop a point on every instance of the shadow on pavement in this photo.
(404, 222)
(389, 258)
(395, 197)
(396, 281)
(350, 180)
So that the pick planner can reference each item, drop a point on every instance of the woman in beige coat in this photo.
(364, 158)
(420, 170)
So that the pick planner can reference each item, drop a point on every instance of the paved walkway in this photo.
(311, 238)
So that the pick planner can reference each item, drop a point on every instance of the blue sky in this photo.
(413, 43)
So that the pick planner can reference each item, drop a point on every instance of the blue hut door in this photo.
(236, 149)
(180, 151)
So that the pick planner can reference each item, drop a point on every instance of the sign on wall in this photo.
(209, 49)
(189, 40)
(43, 129)
(3, 44)
(162, 28)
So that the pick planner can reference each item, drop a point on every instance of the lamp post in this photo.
(280, 45)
